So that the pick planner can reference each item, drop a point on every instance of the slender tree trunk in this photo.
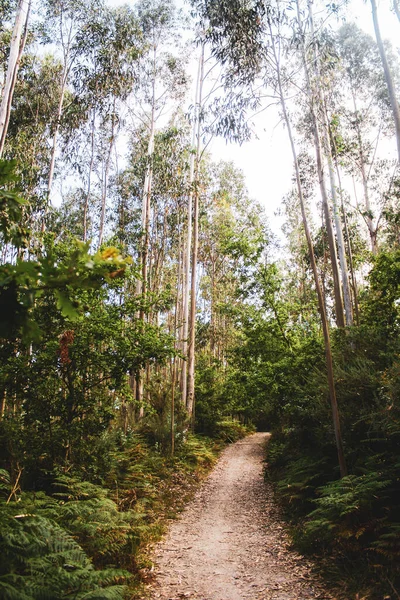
(388, 76)
(361, 154)
(105, 179)
(321, 304)
(340, 241)
(3, 404)
(349, 249)
(66, 70)
(173, 375)
(146, 222)
(192, 339)
(186, 289)
(18, 41)
(173, 363)
(146, 201)
(314, 97)
(55, 135)
(141, 286)
(212, 307)
(396, 8)
(89, 187)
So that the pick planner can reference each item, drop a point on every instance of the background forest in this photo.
(147, 307)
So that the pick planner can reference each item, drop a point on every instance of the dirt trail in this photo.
(229, 543)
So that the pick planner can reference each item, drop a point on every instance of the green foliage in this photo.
(199, 452)
(354, 519)
(382, 302)
(347, 509)
(41, 560)
(230, 431)
(11, 207)
(22, 283)
(74, 541)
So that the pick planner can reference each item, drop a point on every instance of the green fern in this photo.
(41, 561)
(345, 508)
(94, 520)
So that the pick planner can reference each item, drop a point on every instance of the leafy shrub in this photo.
(198, 451)
(229, 430)
(347, 510)
(41, 560)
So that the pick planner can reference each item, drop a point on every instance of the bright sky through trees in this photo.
(266, 159)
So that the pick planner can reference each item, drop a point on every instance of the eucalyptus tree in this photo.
(388, 75)
(159, 90)
(321, 303)
(35, 101)
(363, 117)
(64, 24)
(189, 321)
(298, 270)
(166, 228)
(161, 81)
(312, 73)
(233, 240)
(17, 45)
(103, 81)
(219, 108)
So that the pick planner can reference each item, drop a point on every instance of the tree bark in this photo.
(340, 240)
(191, 355)
(65, 74)
(360, 146)
(89, 187)
(188, 249)
(105, 178)
(141, 285)
(349, 250)
(315, 101)
(18, 41)
(388, 76)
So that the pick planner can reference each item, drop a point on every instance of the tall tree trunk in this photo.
(388, 76)
(89, 187)
(66, 70)
(349, 248)
(18, 41)
(105, 178)
(188, 249)
(141, 286)
(55, 135)
(361, 154)
(321, 304)
(315, 103)
(340, 240)
(192, 339)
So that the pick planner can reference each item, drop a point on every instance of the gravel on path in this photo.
(229, 543)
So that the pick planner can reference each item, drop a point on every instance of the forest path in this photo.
(229, 543)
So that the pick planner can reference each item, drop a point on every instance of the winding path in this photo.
(229, 543)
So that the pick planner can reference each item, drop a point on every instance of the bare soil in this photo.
(229, 543)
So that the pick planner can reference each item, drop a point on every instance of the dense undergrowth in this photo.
(351, 525)
(354, 522)
(85, 539)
